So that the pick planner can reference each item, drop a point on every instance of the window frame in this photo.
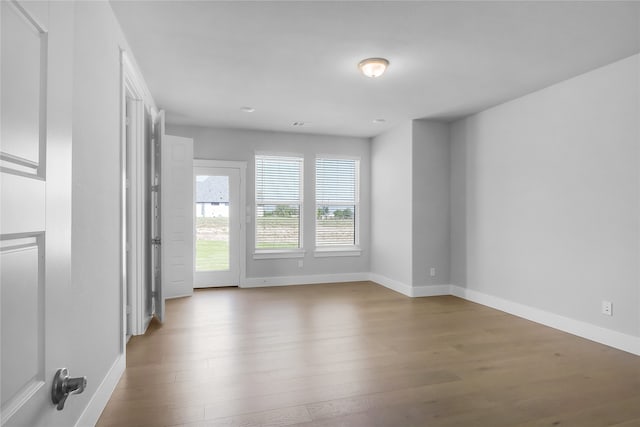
(275, 253)
(322, 251)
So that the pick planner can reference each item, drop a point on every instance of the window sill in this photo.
(279, 253)
(337, 251)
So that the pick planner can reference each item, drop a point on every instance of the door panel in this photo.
(26, 192)
(35, 195)
(217, 226)
(23, 67)
(22, 295)
(177, 223)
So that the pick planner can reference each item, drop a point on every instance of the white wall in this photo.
(430, 195)
(241, 145)
(545, 201)
(95, 322)
(391, 205)
(96, 191)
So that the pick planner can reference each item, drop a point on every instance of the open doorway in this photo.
(136, 157)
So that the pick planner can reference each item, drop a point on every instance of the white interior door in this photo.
(35, 224)
(217, 210)
(176, 189)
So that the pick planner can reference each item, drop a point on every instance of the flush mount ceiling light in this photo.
(373, 67)
(247, 109)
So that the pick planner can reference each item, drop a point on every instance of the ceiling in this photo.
(296, 61)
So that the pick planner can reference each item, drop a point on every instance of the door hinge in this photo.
(155, 188)
(154, 294)
(156, 241)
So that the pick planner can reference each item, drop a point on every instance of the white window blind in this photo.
(337, 202)
(278, 202)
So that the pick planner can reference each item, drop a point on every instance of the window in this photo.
(337, 203)
(278, 203)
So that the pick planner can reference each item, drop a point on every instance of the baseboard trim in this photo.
(100, 398)
(410, 291)
(392, 284)
(619, 340)
(180, 295)
(430, 290)
(260, 282)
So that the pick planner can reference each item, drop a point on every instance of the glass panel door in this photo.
(217, 225)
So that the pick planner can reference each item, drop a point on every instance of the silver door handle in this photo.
(64, 386)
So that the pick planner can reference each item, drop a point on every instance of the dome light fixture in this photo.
(373, 67)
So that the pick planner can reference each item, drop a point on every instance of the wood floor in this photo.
(358, 354)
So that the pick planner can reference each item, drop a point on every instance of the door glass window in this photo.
(212, 223)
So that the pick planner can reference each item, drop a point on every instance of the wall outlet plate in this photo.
(607, 308)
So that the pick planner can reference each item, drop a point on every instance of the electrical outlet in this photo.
(433, 272)
(300, 263)
(607, 308)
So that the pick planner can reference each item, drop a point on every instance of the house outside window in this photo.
(212, 196)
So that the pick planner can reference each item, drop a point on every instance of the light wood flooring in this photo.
(358, 354)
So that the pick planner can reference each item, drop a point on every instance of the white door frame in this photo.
(133, 261)
(242, 244)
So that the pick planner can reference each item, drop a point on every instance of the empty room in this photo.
(319, 213)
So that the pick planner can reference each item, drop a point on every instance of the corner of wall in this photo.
(391, 234)
(392, 284)
(457, 203)
(430, 208)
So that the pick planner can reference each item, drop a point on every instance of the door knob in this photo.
(64, 386)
